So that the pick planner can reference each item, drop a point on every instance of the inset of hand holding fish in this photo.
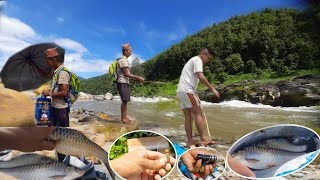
(68, 142)
(270, 153)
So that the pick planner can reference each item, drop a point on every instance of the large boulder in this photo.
(85, 96)
(16, 108)
(108, 96)
(301, 91)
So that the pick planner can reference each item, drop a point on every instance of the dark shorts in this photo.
(60, 117)
(124, 91)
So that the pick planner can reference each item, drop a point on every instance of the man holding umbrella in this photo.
(59, 93)
(60, 84)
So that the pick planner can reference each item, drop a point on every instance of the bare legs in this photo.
(124, 112)
(200, 124)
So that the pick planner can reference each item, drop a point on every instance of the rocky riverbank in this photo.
(300, 91)
(103, 129)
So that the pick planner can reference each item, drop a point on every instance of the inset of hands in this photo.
(142, 164)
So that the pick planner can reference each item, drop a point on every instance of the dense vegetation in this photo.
(261, 45)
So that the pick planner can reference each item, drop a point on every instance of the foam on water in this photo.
(243, 104)
(145, 99)
(170, 114)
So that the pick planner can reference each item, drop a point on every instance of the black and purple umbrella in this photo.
(28, 68)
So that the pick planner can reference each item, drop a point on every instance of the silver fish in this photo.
(53, 170)
(263, 158)
(282, 144)
(74, 143)
(25, 159)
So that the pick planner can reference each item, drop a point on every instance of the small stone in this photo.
(222, 147)
(298, 175)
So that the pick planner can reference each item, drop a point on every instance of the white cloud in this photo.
(71, 44)
(16, 35)
(60, 19)
(15, 28)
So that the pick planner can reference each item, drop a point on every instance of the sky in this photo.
(92, 31)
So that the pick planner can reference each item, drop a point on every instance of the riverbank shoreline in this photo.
(101, 128)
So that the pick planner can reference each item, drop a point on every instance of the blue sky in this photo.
(92, 31)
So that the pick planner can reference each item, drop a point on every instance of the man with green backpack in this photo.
(119, 72)
(65, 87)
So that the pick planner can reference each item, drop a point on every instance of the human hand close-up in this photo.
(240, 168)
(26, 139)
(142, 164)
(194, 165)
(215, 92)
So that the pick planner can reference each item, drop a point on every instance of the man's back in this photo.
(189, 80)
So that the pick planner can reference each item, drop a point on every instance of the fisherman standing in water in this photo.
(191, 73)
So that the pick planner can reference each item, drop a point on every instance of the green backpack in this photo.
(112, 73)
(74, 86)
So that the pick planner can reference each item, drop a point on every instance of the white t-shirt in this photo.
(189, 80)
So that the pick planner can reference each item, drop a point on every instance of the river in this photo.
(227, 120)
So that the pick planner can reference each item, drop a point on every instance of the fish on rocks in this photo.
(44, 171)
(72, 142)
(263, 158)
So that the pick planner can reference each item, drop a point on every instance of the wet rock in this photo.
(301, 91)
(108, 96)
(85, 96)
(99, 97)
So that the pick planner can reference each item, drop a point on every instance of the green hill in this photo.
(263, 45)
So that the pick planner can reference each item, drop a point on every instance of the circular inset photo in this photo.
(142, 155)
(273, 151)
(201, 163)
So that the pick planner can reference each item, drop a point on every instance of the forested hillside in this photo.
(266, 44)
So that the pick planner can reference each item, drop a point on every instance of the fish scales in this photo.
(282, 144)
(25, 159)
(73, 142)
(263, 158)
(44, 171)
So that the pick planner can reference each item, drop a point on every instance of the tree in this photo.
(137, 68)
(250, 67)
(234, 64)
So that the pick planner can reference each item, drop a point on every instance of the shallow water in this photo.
(227, 120)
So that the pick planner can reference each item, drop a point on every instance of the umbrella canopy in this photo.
(28, 68)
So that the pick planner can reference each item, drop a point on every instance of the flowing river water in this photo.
(227, 120)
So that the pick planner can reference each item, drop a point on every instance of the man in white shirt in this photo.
(191, 73)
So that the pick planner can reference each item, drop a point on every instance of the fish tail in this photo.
(112, 174)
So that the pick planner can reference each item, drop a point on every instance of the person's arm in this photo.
(63, 86)
(127, 73)
(27, 139)
(204, 81)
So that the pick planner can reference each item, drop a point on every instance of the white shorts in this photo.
(188, 100)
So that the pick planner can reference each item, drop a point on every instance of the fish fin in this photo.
(57, 177)
(271, 165)
(252, 160)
